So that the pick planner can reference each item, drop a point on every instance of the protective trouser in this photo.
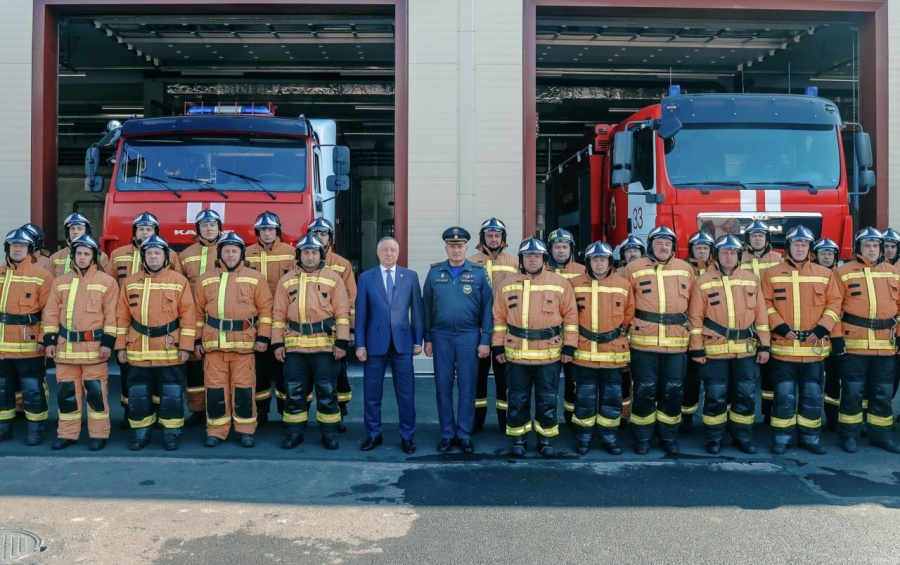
(729, 397)
(690, 401)
(896, 380)
(481, 391)
(798, 400)
(196, 394)
(598, 402)
(832, 391)
(568, 392)
(345, 394)
(321, 369)
(28, 376)
(520, 380)
(869, 377)
(230, 378)
(123, 383)
(658, 379)
(156, 393)
(626, 393)
(74, 385)
(767, 391)
(269, 372)
(456, 359)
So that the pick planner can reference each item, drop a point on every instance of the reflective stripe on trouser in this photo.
(229, 378)
(165, 382)
(658, 379)
(798, 400)
(123, 383)
(730, 397)
(870, 377)
(690, 400)
(568, 391)
(598, 402)
(321, 370)
(455, 360)
(196, 394)
(269, 372)
(481, 391)
(345, 393)
(520, 380)
(626, 393)
(832, 389)
(75, 384)
(767, 391)
(27, 376)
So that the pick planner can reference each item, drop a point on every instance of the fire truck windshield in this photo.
(754, 156)
(225, 163)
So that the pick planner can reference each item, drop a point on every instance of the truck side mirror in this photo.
(669, 128)
(341, 158)
(623, 148)
(93, 183)
(866, 178)
(91, 161)
(863, 149)
(621, 177)
(337, 183)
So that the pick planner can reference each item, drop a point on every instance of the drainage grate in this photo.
(16, 544)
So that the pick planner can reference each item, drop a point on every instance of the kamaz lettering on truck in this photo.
(237, 159)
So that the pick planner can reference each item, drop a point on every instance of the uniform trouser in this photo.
(123, 383)
(146, 384)
(730, 397)
(456, 358)
(404, 377)
(598, 402)
(568, 392)
(798, 400)
(345, 394)
(520, 380)
(196, 394)
(658, 379)
(626, 393)
(28, 376)
(896, 379)
(481, 394)
(767, 390)
(868, 377)
(269, 372)
(229, 377)
(832, 390)
(690, 401)
(321, 369)
(74, 385)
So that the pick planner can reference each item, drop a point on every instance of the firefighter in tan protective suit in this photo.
(631, 249)
(234, 317)
(310, 335)
(535, 330)
(700, 246)
(156, 324)
(75, 225)
(40, 257)
(79, 334)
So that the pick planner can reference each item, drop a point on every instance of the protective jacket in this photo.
(661, 293)
(197, 259)
(126, 260)
(311, 312)
(569, 272)
(80, 316)
(803, 298)
(605, 309)
(234, 309)
(535, 318)
(342, 267)
(24, 290)
(273, 261)
(42, 260)
(62, 261)
(870, 307)
(728, 315)
(497, 269)
(698, 266)
(758, 262)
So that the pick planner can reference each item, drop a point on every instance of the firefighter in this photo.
(196, 260)
(658, 335)
(499, 265)
(79, 334)
(125, 261)
(458, 323)
(562, 262)
(804, 303)
(631, 249)
(234, 315)
(825, 253)
(310, 335)
(24, 289)
(324, 230)
(157, 324)
(535, 328)
(867, 332)
(75, 225)
(41, 257)
(605, 309)
(729, 340)
(891, 245)
(274, 258)
(700, 246)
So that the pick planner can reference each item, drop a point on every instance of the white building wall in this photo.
(893, 116)
(15, 113)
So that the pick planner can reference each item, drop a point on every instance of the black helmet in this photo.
(155, 242)
(560, 234)
(76, 219)
(598, 249)
(826, 244)
(207, 215)
(532, 246)
(891, 235)
(729, 241)
(267, 220)
(321, 225)
(20, 235)
(868, 234)
(757, 226)
(231, 238)
(699, 238)
(85, 240)
(309, 241)
(632, 242)
(144, 219)
(660, 232)
(799, 233)
(37, 235)
(492, 224)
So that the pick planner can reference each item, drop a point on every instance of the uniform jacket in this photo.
(801, 297)
(273, 261)
(306, 298)
(197, 259)
(23, 290)
(81, 302)
(699, 267)
(855, 279)
(733, 302)
(569, 272)
(62, 262)
(379, 322)
(155, 300)
(538, 302)
(757, 263)
(603, 306)
(126, 260)
(458, 305)
(342, 267)
(497, 269)
(659, 289)
(42, 260)
(241, 294)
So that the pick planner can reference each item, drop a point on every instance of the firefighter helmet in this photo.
(76, 219)
(267, 220)
(309, 241)
(145, 219)
(207, 215)
(155, 242)
(659, 232)
(560, 234)
(799, 233)
(598, 249)
(699, 238)
(729, 241)
(321, 225)
(632, 242)
(891, 235)
(826, 244)
(757, 226)
(868, 234)
(85, 240)
(20, 235)
(37, 235)
(492, 224)
(532, 246)
(231, 238)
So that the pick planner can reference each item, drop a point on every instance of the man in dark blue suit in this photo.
(389, 328)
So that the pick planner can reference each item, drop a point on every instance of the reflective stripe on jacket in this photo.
(241, 294)
(868, 291)
(602, 307)
(307, 298)
(659, 288)
(23, 290)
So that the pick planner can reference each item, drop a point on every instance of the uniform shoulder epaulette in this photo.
(438, 264)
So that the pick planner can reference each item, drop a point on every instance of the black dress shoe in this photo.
(887, 445)
(291, 441)
(408, 446)
(212, 441)
(641, 447)
(779, 448)
(518, 448)
(444, 445)
(670, 446)
(34, 437)
(248, 440)
(467, 446)
(814, 448)
(744, 446)
(171, 441)
(371, 443)
(611, 448)
(330, 442)
(714, 447)
(96, 443)
(849, 445)
(196, 419)
(62, 443)
(341, 427)
(583, 447)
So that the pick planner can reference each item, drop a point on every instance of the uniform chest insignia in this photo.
(467, 289)
(468, 276)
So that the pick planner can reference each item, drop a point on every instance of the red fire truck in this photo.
(237, 159)
(714, 162)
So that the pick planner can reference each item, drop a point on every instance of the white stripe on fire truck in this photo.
(748, 201)
(773, 201)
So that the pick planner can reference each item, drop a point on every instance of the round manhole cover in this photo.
(16, 544)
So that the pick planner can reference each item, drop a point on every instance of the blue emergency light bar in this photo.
(201, 109)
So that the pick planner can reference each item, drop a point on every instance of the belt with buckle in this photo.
(307, 328)
(869, 323)
(155, 331)
(601, 337)
(74, 336)
(227, 325)
(542, 333)
(732, 334)
(20, 319)
(664, 319)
